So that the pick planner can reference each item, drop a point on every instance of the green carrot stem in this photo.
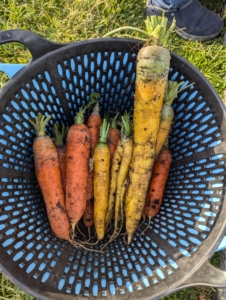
(126, 28)
(156, 32)
(172, 90)
(39, 123)
(114, 121)
(104, 128)
(126, 125)
(79, 117)
(59, 136)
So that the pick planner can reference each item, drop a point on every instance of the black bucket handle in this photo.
(37, 45)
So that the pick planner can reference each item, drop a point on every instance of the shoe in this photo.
(193, 21)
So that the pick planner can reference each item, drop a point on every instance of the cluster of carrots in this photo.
(102, 175)
(83, 171)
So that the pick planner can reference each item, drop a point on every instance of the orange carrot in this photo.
(157, 183)
(94, 122)
(113, 136)
(78, 149)
(88, 213)
(59, 141)
(47, 172)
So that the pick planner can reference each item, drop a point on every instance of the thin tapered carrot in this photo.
(153, 62)
(59, 141)
(101, 157)
(94, 122)
(88, 213)
(113, 135)
(167, 115)
(115, 166)
(47, 171)
(78, 149)
(127, 148)
(157, 183)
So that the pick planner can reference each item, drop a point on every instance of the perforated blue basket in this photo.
(174, 252)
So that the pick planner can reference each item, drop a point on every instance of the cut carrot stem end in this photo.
(114, 121)
(79, 117)
(104, 132)
(39, 123)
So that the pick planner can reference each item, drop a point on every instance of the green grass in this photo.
(73, 20)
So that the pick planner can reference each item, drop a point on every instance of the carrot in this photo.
(47, 171)
(94, 122)
(78, 149)
(157, 183)
(151, 79)
(167, 115)
(127, 148)
(59, 141)
(101, 157)
(88, 213)
(113, 135)
(115, 166)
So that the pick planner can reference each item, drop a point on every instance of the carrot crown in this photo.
(59, 136)
(126, 125)
(39, 123)
(172, 90)
(79, 117)
(104, 128)
(114, 121)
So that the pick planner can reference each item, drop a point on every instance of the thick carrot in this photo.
(101, 180)
(47, 171)
(157, 183)
(78, 149)
(59, 141)
(167, 115)
(151, 79)
(113, 135)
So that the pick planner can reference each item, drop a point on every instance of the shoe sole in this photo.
(188, 36)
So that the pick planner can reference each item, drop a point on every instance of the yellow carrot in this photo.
(101, 158)
(167, 115)
(151, 79)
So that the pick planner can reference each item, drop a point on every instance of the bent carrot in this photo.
(47, 171)
(113, 135)
(59, 141)
(157, 183)
(101, 157)
(151, 78)
(77, 167)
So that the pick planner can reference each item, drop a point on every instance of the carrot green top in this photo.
(59, 136)
(126, 125)
(104, 128)
(79, 117)
(39, 124)
(156, 30)
(172, 90)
